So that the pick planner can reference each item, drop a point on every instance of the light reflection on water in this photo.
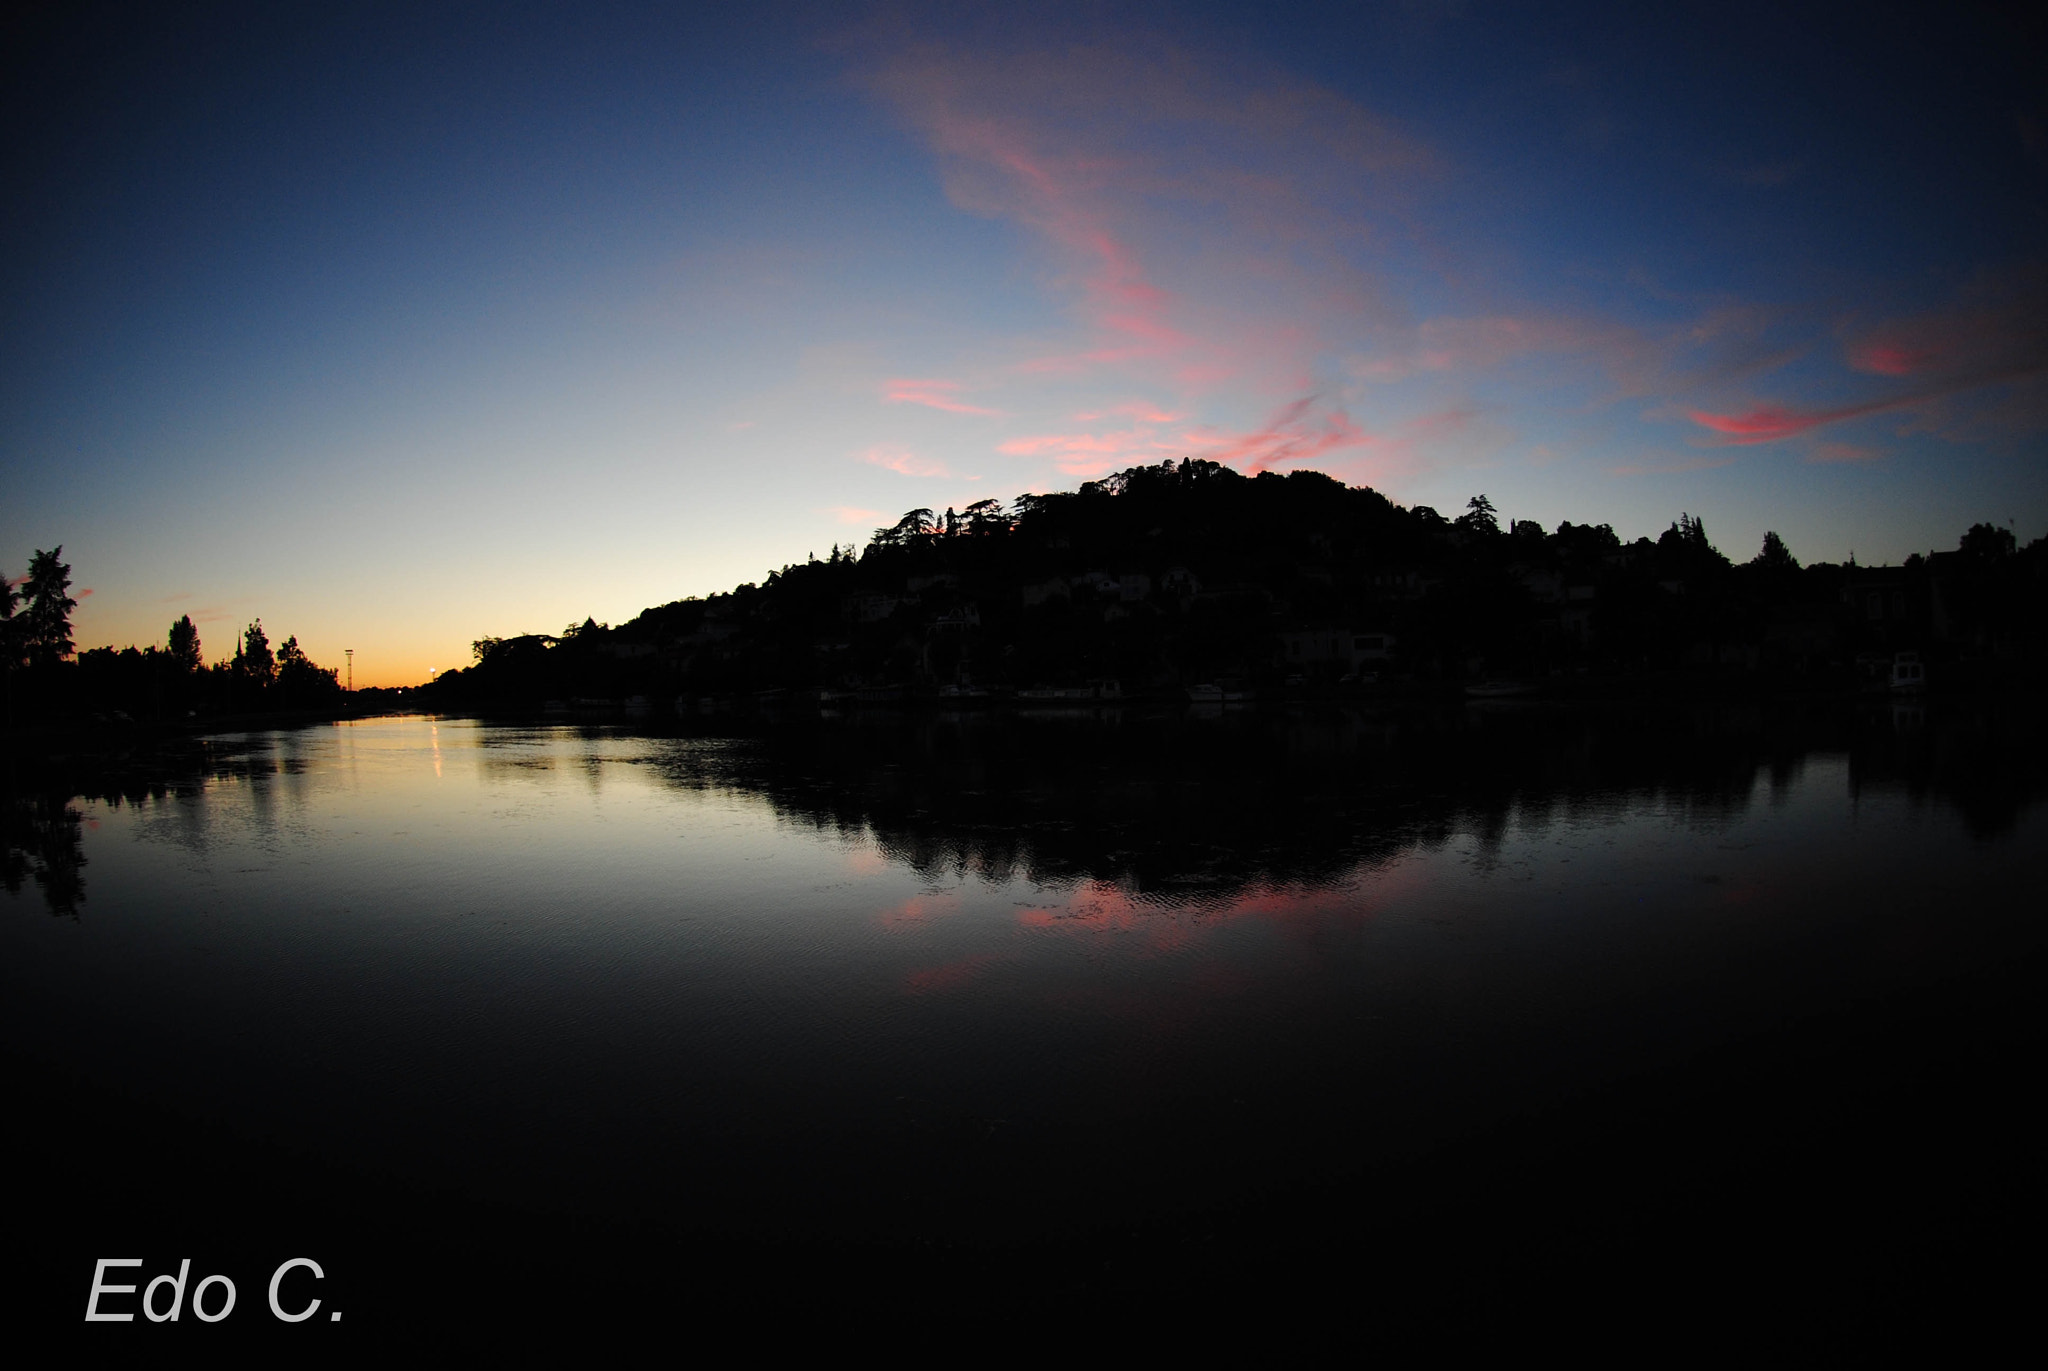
(620, 973)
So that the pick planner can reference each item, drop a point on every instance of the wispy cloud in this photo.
(1094, 452)
(1191, 205)
(1230, 240)
(1770, 423)
(903, 461)
(1142, 411)
(1997, 332)
(1296, 434)
(1993, 340)
(1773, 423)
(942, 395)
(853, 514)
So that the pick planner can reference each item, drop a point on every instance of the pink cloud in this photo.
(932, 395)
(1998, 337)
(853, 514)
(903, 461)
(1214, 229)
(1124, 304)
(1765, 424)
(1165, 184)
(85, 592)
(1889, 359)
(1771, 423)
(1997, 332)
(1140, 410)
(1093, 454)
(1292, 435)
(1119, 442)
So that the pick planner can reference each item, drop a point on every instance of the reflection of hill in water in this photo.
(1178, 807)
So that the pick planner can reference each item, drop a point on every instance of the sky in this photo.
(399, 326)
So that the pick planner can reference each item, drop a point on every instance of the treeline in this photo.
(1162, 577)
(45, 679)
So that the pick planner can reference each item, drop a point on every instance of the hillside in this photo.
(1162, 577)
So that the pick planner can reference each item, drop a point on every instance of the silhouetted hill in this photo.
(1184, 574)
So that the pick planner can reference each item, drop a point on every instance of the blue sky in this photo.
(421, 323)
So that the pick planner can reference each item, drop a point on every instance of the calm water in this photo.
(987, 978)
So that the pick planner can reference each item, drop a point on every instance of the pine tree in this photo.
(46, 622)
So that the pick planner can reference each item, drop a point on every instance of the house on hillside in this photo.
(1335, 651)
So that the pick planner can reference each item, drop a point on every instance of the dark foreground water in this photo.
(1019, 1012)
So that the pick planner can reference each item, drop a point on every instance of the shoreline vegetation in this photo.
(53, 697)
(1183, 584)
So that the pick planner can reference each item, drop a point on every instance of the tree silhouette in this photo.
(1775, 555)
(184, 644)
(1987, 543)
(1480, 516)
(10, 627)
(985, 517)
(301, 681)
(46, 622)
(918, 523)
(11, 649)
(1690, 532)
(254, 663)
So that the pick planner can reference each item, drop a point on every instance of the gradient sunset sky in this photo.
(399, 326)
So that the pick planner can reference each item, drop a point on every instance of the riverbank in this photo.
(119, 759)
(102, 734)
